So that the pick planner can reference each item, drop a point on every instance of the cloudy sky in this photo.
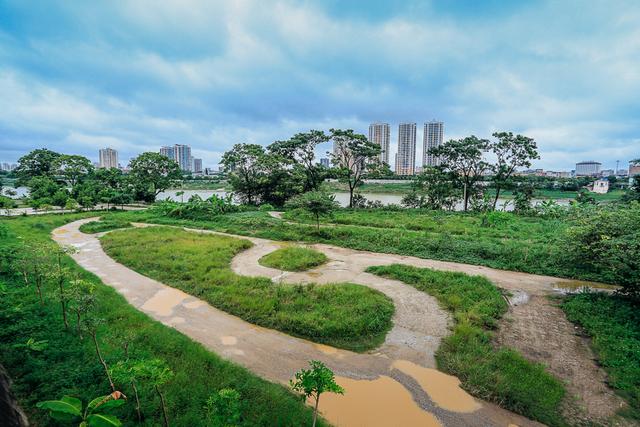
(76, 76)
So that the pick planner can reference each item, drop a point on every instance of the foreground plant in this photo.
(315, 381)
(69, 409)
(223, 408)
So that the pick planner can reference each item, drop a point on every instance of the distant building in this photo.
(324, 162)
(181, 154)
(432, 138)
(8, 167)
(406, 157)
(607, 172)
(108, 158)
(168, 151)
(600, 186)
(588, 168)
(634, 169)
(197, 165)
(380, 134)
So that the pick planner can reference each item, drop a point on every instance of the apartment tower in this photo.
(379, 134)
(406, 157)
(432, 138)
(108, 158)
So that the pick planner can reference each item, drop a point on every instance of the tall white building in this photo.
(181, 154)
(588, 168)
(197, 165)
(108, 158)
(379, 134)
(168, 151)
(432, 138)
(406, 157)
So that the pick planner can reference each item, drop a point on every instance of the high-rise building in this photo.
(324, 162)
(406, 157)
(588, 168)
(379, 134)
(432, 138)
(108, 158)
(181, 154)
(197, 165)
(634, 168)
(168, 151)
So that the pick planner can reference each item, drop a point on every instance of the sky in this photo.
(76, 76)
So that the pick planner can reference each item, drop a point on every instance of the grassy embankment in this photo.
(613, 323)
(68, 365)
(100, 226)
(293, 258)
(499, 375)
(506, 241)
(343, 315)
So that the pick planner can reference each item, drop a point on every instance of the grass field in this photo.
(293, 258)
(68, 365)
(343, 315)
(613, 323)
(100, 226)
(500, 375)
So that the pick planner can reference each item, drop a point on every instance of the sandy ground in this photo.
(404, 360)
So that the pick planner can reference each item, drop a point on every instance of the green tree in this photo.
(81, 300)
(72, 168)
(522, 197)
(463, 158)
(124, 372)
(40, 162)
(41, 190)
(433, 189)
(60, 198)
(244, 165)
(69, 409)
(7, 203)
(315, 381)
(156, 373)
(511, 152)
(223, 408)
(317, 203)
(151, 174)
(354, 156)
(299, 151)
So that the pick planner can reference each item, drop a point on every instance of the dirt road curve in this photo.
(397, 375)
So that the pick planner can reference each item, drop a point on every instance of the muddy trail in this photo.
(395, 384)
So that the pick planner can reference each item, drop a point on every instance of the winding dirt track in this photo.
(397, 374)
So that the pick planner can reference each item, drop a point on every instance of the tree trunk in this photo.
(315, 411)
(165, 419)
(135, 393)
(495, 201)
(63, 304)
(318, 222)
(78, 324)
(11, 413)
(464, 196)
(104, 364)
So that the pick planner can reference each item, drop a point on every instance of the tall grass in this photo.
(500, 375)
(293, 258)
(343, 315)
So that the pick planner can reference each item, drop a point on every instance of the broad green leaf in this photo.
(110, 404)
(92, 405)
(67, 405)
(101, 420)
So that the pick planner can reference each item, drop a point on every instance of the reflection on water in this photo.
(381, 402)
(577, 286)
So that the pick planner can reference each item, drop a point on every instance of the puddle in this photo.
(194, 304)
(229, 340)
(576, 286)
(381, 402)
(444, 390)
(163, 302)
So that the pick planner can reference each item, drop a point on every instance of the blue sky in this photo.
(76, 76)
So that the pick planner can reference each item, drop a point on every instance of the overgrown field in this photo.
(46, 361)
(107, 225)
(614, 326)
(499, 375)
(293, 258)
(343, 315)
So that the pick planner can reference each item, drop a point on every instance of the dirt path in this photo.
(398, 372)
(540, 331)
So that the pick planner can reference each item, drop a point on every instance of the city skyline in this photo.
(251, 73)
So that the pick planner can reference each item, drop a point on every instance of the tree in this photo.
(244, 166)
(7, 204)
(511, 152)
(60, 198)
(223, 408)
(463, 158)
(152, 173)
(59, 275)
(41, 190)
(433, 189)
(72, 167)
(299, 151)
(353, 156)
(40, 162)
(315, 381)
(81, 300)
(123, 372)
(317, 203)
(156, 373)
(522, 197)
(69, 409)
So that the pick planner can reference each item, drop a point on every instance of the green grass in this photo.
(105, 225)
(343, 315)
(69, 365)
(500, 375)
(613, 322)
(293, 258)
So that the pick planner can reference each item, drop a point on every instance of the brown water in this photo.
(382, 402)
(444, 390)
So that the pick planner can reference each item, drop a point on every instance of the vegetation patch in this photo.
(613, 322)
(343, 315)
(46, 361)
(104, 225)
(500, 375)
(293, 258)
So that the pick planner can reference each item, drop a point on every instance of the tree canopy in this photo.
(152, 173)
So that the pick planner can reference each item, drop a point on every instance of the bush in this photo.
(266, 207)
